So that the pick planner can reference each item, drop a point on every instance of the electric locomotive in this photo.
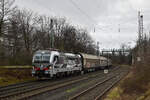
(47, 63)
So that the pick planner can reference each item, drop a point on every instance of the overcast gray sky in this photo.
(106, 16)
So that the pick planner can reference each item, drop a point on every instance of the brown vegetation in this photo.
(140, 80)
(12, 76)
(137, 85)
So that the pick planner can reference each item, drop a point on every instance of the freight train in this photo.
(51, 63)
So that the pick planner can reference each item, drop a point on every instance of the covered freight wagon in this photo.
(93, 62)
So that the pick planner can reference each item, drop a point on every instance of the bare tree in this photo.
(6, 7)
(27, 33)
(26, 27)
(44, 29)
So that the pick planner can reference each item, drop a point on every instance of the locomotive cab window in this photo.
(41, 58)
(37, 59)
(46, 58)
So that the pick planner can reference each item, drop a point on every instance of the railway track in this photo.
(101, 87)
(23, 84)
(22, 91)
(109, 87)
(16, 85)
(66, 92)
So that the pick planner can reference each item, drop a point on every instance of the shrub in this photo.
(139, 81)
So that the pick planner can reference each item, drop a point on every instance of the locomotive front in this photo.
(41, 63)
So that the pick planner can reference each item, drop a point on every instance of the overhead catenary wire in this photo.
(96, 25)
(84, 13)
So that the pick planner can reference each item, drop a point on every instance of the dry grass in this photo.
(15, 66)
(117, 92)
(12, 76)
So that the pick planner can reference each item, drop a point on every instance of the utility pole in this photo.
(52, 35)
(140, 36)
(140, 27)
(97, 48)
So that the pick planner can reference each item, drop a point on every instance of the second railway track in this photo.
(96, 91)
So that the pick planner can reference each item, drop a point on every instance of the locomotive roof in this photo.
(46, 52)
(72, 55)
(43, 51)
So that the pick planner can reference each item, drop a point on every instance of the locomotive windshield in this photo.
(41, 58)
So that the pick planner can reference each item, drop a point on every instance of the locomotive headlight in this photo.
(50, 67)
(33, 67)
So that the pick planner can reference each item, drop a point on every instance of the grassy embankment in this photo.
(14, 74)
(135, 86)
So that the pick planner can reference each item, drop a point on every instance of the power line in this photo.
(97, 26)
(76, 6)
